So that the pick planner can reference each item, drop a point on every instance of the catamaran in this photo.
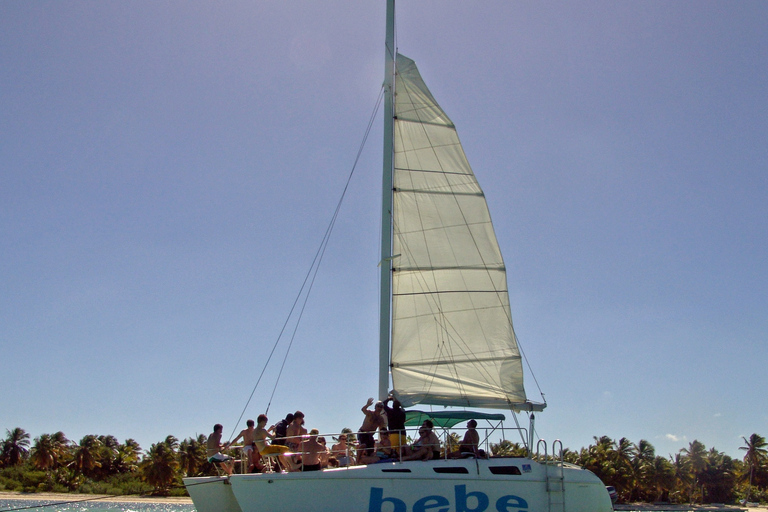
(446, 338)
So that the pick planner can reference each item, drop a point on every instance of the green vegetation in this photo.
(99, 464)
(693, 475)
(102, 465)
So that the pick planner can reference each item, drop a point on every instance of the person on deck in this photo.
(260, 441)
(471, 441)
(325, 455)
(295, 432)
(427, 446)
(247, 436)
(311, 452)
(373, 421)
(214, 447)
(396, 425)
(469, 446)
(280, 429)
(341, 451)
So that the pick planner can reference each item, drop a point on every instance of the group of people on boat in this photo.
(382, 437)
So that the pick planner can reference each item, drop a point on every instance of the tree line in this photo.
(103, 465)
(692, 475)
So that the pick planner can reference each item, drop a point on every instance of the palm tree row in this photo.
(98, 463)
(694, 474)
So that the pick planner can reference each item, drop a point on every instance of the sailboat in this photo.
(446, 338)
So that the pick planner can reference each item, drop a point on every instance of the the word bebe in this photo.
(435, 503)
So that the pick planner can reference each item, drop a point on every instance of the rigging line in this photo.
(326, 240)
(313, 267)
(528, 364)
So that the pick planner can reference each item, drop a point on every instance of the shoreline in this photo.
(183, 500)
(71, 497)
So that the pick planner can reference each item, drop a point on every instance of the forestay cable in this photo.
(309, 279)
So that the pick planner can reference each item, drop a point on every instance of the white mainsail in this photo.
(452, 336)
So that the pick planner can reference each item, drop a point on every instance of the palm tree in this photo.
(62, 450)
(644, 454)
(755, 456)
(570, 456)
(160, 466)
(15, 447)
(42, 453)
(660, 475)
(127, 458)
(681, 466)
(718, 479)
(506, 448)
(621, 457)
(172, 443)
(696, 453)
(192, 455)
(86, 456)
(107, 455)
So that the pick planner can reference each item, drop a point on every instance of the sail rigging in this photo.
(452, 340)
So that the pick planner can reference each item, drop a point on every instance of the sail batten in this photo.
(452, 336)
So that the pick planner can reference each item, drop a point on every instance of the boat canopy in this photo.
(447, 419)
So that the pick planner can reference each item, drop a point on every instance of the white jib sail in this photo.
(452, 336)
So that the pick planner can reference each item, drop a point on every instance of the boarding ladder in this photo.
(554, 475)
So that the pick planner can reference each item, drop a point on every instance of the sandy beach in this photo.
(101, 497)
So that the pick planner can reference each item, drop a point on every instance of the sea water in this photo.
(7, 505)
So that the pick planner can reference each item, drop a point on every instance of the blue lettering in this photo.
(434, 503)
(431, 502)
(377, 499)
(461, 500)
(511, 504)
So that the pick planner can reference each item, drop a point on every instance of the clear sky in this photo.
(167, 170)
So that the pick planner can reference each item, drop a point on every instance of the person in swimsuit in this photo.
(214, 448)
(373, 421)
(427, 447)
(247, 436)
(260, 442)
(295, 432)
(311, 452)
(341, 451)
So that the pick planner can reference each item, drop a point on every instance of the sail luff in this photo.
(385, 297)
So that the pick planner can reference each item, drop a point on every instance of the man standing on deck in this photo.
(373, 421)
(396, 425)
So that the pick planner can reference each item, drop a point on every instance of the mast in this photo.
(386, 205)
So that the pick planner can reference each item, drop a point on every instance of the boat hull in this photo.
(467, 485)
(212, 494)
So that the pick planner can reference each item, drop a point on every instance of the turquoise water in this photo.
(90, 506)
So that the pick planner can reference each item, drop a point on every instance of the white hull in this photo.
(211, 493)
(465, 485)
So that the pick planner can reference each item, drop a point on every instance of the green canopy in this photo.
(447, 419)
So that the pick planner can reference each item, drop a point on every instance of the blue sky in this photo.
(168, 170)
